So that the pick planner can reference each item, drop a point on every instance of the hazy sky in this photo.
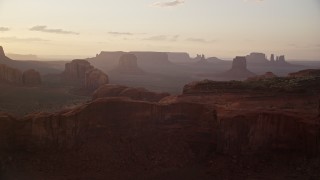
(222, 28)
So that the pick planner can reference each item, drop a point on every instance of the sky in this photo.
(221, 28)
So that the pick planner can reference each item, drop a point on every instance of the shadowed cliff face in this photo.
(267, 132)
(10, 75)
(121, 136)
(183, 126)
(128, 65)
(239, 69)
(2, 52)
(31, 78)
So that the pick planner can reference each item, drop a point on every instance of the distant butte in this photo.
(239, 69)
(128, 64)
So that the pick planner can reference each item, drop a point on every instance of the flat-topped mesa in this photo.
(2, 52)
(128, 64)
(31, 78)
(128, 61)
(257, 58)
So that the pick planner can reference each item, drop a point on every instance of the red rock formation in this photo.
(10, 75)
(267, 132)
(76, 69)
(95, 78)
(123, 91)
(85, 76)
(125, 132)
(31, 78)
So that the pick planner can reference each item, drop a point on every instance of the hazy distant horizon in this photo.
(212, 27)
(71, 57)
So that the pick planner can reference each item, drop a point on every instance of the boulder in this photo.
(31, 78)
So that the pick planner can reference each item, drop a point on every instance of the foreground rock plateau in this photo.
(223, 128)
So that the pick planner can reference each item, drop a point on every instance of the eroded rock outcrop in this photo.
(177, 127)
(10, 75)
(95, 78)
(128, 65)
(267, 132)
(31, 78)
(143, 94)
(2, 52)
(76, 69)
(82, 73)
(124, 132)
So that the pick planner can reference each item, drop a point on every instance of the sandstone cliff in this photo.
(81, 73)
(76, 69)
(10, 75)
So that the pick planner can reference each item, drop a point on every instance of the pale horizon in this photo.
(216, 28)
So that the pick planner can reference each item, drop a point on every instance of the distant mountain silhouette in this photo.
(44, 67)
(260, 59)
